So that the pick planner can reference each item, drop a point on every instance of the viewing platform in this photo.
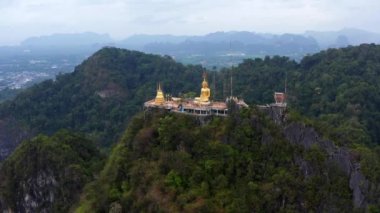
(203, 106)
(192, 107)
(198, 106)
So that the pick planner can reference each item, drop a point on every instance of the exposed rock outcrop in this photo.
(39, 192)
(11, 134)
(275, 112)
(307, 137)
(47, 174)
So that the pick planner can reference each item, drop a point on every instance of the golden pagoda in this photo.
(160, 96)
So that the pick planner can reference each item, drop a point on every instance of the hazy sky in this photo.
(120, 18)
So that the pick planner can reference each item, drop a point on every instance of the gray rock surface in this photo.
(38, 194)
(306, 137)
(11, 134)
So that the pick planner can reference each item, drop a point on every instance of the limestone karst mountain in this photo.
(328, 158)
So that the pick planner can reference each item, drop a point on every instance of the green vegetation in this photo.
(337, 90)
(8, 94)
(256, 79)
(101, 95)
(342, 87)
(339, 87)
(171, 163)
(50, 170)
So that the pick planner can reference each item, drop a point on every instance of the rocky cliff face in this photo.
(342, 157)
(37, 194)
(11, 134)
(46, 174)
(307, 137)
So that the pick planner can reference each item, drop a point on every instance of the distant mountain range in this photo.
(80, 39)
(343, 37)
(249, 44)
(209, 49)
(232, 44)
(39, 58)
(323, 39)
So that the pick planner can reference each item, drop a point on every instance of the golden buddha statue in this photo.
(160, 96)
(205, 91)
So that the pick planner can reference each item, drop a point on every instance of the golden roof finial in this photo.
(204, 83)
(159, 86)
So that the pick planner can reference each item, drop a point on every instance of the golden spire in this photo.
(160, 96)
(204, 83)
(159, 87)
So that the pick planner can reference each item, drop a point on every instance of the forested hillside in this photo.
(342, 87)
(47, 174)
(99, 97)
(339, 87)
(243, 163)
(171, 163)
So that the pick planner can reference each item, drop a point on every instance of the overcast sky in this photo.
(121, 18)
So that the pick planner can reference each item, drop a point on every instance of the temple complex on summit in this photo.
(200, 106)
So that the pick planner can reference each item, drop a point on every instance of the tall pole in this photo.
(286, 86)
(231, 69)
(224, 87)
(231, 83)
(286, 81)
(214, 85)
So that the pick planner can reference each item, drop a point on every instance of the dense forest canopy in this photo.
(342, 87)
(339, 87)
(50, 171)
(166, 162)
(170, 163)
(101, 95)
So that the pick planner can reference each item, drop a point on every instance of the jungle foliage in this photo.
(50, 171)
(171, 163)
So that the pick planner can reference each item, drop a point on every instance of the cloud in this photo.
(120, 18)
